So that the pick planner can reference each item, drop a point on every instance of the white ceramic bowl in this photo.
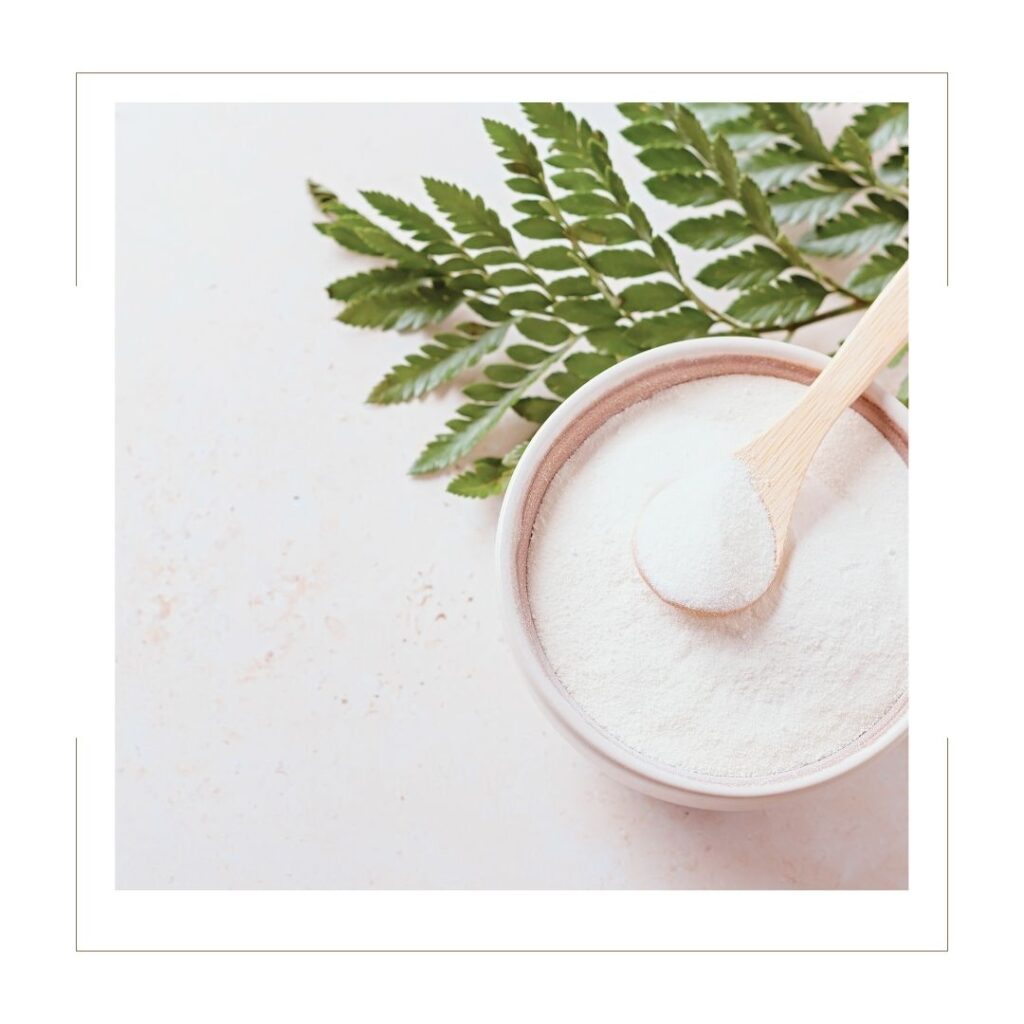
(575, 420)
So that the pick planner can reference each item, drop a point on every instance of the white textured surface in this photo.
(804, 671)
(312, 686)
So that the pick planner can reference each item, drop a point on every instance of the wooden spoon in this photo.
(714, 544)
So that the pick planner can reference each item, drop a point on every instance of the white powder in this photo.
(705, 542)
(798, 675)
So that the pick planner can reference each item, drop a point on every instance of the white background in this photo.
(58, 441)
(313, 688)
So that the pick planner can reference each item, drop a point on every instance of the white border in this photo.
(108, 919)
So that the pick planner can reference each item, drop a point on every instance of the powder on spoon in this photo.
(812, 665)
(705, 542)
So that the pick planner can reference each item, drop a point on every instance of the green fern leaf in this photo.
(588, 204)
(573, 286)
(680, 325)
(624, 263)
(686, 189)
(745, 134)
(727, 167)
(345, 237)
(579, 368)
(477, 419)
(539, 228)
(610, 340)
(715, 232)
(650, 297)
(575, 144)
(528, 355)
(323, 197)
(505, 373)
(649, 134)
(512, 277)
(779, 166)
(690, 130)
(524, 299)
(779, 304)
(554, 257)
(488, 477)
(544, 332)
(496, 258)
(468, 214)
(563, 384)
(408, 216)
(587, 365)
(803, 201)
(385, 244)
(756, 207)
(553, 121)
(714, 116)
(743, 270)
(401, 311)
(352, 230)
(375, 282)
(588, 312)
(640, 111)
(603, 231)
(880, 123)
(670, 161)
(535, 410)
(515, 148)
(858, 230)
(895, 169)
(871, 277)
(577, 181)
(851, 146)
(793, 120)
(437, 362)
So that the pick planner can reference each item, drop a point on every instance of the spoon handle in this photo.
(875, 339)
(779, 458)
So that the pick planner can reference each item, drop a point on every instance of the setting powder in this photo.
(800, 674)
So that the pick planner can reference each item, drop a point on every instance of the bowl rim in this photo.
(590, 738)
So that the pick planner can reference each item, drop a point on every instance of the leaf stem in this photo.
(851, 307)
(795, 325)
(867, 180)
(596, 278)
(789, 249)
(710, 311)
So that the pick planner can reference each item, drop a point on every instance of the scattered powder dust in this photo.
(802, 672)
(705, 541)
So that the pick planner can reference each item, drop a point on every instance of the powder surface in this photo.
(705, 542)
(801, 673)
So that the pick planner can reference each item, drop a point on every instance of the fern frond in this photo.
(488, 477)
(600, 284)
(437, 362)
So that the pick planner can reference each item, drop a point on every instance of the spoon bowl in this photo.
(705, 542)
(713, 543)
